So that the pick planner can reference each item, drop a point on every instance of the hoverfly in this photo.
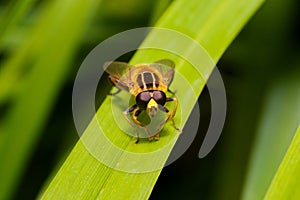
(148, 84)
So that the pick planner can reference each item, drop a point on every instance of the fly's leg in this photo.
(126, 114)
(174, 112)
(169, 115)
(137, 112)
(156, 137)
(114, 82)
(120, 85)
(172, 92)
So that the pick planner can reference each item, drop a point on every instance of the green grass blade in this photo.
(214, 24)
(286, 182)
(256, 65)
(159, 9)
(48, 48)
(11, 20)
(280, 117)
(13, 15)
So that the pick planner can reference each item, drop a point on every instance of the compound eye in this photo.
(159, 97)
(145, 97)
(142, 99)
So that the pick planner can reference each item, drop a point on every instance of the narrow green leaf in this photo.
(11, 69)
(214, 24)
(286, 182)
(280, 117)
(13, 14)
(48, 50)
(159, 9)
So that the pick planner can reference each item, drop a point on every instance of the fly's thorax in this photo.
(146, 78)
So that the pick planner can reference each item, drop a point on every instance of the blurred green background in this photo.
(42, 44)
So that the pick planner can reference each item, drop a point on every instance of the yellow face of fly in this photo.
(152, 108)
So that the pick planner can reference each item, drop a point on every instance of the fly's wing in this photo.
(166, 68)
(119, 74)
